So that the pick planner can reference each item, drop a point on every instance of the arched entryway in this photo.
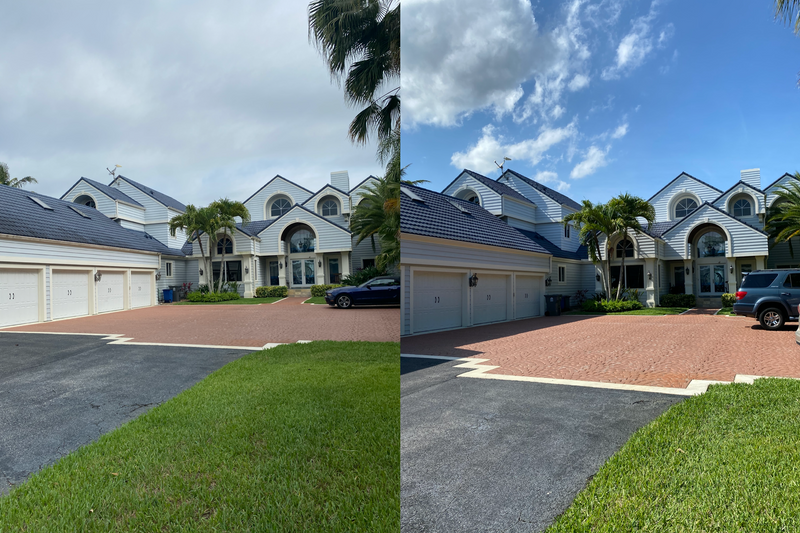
(300, 244)
(709, 249)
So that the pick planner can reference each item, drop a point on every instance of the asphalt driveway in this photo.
(60, 392)
(489, 455)
(253, 326)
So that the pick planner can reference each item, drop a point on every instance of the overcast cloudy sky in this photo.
(599, 97)
(198, 99)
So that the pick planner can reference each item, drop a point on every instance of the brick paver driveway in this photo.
(237, 325)
(659, 351)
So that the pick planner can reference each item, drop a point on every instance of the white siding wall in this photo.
(425, 253)
(12, 250)
(576, 279)
(771, 196)
(135, 226)
(183, 271)
(779, 255)
(490, 200)
(277, 186)
(516, 223)
(329, 237)
(746, 241)
(130, 212)
(519, 210)
(363, 251)
(355, 196)
(154, 211)
(661, 202)
(344, 203)
(552, 231)
(548, 209)
(104, 204)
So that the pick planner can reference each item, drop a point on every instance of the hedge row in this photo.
(198, 296)
(728, 299)
(318, 291)
(275, 291)
(611, 306)
(678, 300)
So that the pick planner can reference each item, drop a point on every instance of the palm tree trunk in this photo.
(205, 262)
(622, 266)
(223, 277)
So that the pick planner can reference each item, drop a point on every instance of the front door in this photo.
(333, 271)
(303, 271)
(680, 280)
(274, 278)
(712, 279)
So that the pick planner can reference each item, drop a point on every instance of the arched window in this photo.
(473, 198)
(684, 207)
(86, 200)
(280, 207)
(225, 243)
(624, 247)
(329, 208)
(742, 208)
(302, 241)
(711, 244)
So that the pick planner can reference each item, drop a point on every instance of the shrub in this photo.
(274, 291)
(677, 300)
(198, 296)
(611, 306)
(318, 291)
(631, 294)
(728, 299)
(580, 296)
(203, 288)
(360, 276)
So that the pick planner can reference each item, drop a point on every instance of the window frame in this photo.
(335, 208)
(567, 231)
(364, 260)
(219, 245)
(168, 269)
(686, 211)
(273, 204)
(562, 274)
(749, 208)
(618, 251)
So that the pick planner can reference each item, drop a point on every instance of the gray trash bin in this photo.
(553, 304)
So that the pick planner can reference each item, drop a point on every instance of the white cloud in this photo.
(665, 35)
(634, 47)
(578, 82)
(594, 159)
(620, 132)
(491, 146)
(548, 177)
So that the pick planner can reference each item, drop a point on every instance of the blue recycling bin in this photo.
(167, 296)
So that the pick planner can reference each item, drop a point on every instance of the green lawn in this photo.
(316, 300)
(240, 301)
(645, 311)
(728, 460)
(297, 438)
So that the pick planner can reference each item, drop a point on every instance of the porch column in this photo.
(320, 270)
(249, 275)
(689, 280)
(650, 282)
(345, 264)
(282, 270)
(733, 284)
(760, 261)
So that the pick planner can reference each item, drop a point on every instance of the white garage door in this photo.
(489, 299)
(19, 297)
(110, 292)
(140, 289)
(437, 301)
(70, 294)
(528, 296)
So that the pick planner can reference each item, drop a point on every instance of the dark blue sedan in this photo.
(383, 290)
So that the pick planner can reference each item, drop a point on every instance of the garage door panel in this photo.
(19, 297)
(528, 296)
(69, 294)
(438, 302)
(490, 299)
(140, 289)
(110, 292)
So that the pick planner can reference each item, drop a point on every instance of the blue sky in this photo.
(596, 98)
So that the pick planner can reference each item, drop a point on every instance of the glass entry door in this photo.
(680, 280)
(333, 271)
(303, 271)
(274, 277)
(712, 279)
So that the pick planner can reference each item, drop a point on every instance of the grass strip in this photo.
(240, 301)
(318, 300)
(657, 311)
(297, 438)
(728, 460)
(726, 311)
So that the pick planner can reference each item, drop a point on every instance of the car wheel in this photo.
(344, 301)
(771, 319)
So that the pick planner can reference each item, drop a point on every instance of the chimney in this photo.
(751, 177)
(341, 180)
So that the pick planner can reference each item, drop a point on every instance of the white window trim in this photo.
(567, 231)
(562, 269)
(169, 269)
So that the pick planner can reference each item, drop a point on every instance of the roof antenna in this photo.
(500, 166)
(113, 172)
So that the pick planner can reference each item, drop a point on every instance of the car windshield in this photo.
(366, 283)
(758, 281)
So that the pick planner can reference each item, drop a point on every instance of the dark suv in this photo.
(772, 296)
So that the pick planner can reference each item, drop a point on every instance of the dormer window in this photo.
(624, 247)
(280, 207)
(742, 208)
(329, 208)
(473, 198)
(684, 207)
(225, 243)
(566, 231)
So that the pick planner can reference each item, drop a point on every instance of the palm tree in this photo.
(783, 218)
(628, 209)
(227, 211)
(195, 222)
(789, 12)
(6, 179)
(596, 221)
(360, 43)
